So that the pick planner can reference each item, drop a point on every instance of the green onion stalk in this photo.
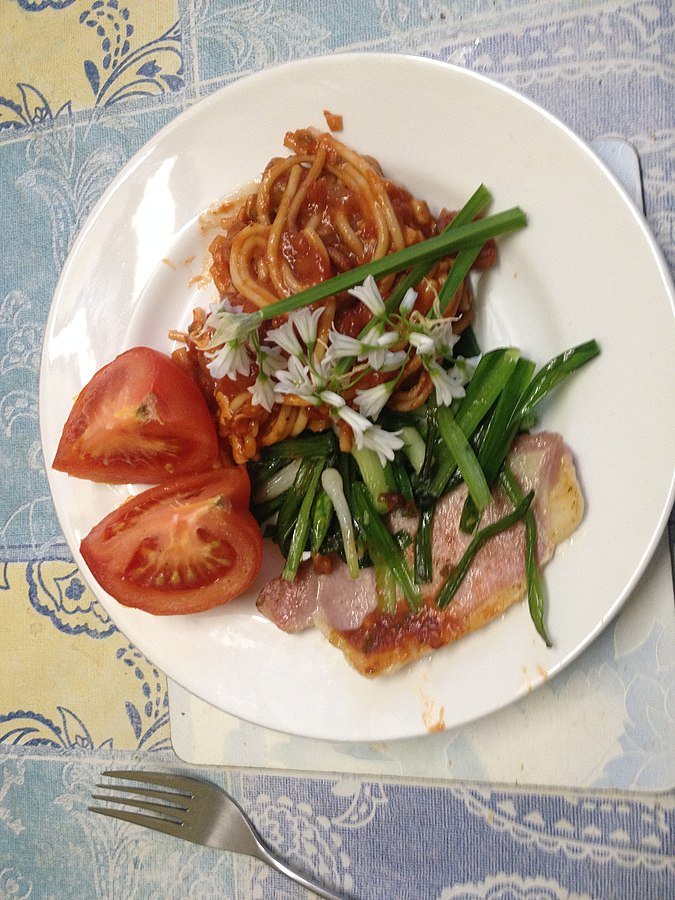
(451, 241)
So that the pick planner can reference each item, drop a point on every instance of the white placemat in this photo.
(602, 722)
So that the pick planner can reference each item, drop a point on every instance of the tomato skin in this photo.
(142, 419)
(180, 547)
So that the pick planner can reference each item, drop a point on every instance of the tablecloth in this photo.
(82, 87)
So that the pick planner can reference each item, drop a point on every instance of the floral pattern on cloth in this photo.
(83, 85)
(52, 697)
(467, 843)
(116, 64)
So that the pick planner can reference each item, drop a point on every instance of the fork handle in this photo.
(272, 860)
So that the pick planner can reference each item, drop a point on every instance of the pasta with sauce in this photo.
(320, 211)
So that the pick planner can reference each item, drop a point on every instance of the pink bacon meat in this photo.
(375, 642)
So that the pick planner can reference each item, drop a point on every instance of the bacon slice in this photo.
(374, 642)
(336, 600)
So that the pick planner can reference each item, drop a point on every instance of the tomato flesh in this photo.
(180, 547)
(141, 418)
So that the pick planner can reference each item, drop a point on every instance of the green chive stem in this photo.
(465, 458)
(536, 599)
(301, 530)
(381, 543)
(450, 241)
(475, 205)
(451, 586)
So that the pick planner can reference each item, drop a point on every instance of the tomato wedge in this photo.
(179, 547)
(141, 418)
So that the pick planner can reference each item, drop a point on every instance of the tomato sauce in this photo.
(307, 263)
(386, 634)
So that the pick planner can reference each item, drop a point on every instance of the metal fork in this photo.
(195, 811)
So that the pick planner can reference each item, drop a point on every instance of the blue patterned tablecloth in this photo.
(82, 86)
(370, 839)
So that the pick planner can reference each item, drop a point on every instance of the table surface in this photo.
(82, 87)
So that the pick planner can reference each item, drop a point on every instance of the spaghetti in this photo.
(320, 211)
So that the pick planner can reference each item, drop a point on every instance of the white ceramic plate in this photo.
(585, 267)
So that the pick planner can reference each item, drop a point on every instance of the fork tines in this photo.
(167, 815)
(180, 783)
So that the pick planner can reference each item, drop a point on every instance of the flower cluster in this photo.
(291, 360)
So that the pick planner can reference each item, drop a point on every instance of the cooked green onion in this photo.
(403, 485)
(322, 515)
(262, 469)
(403, 538)
(555, 371)
(301, 529)
(413, 446)
(386, 586)
(263, 511)
(461, 267)
(473, 207)
(305, 445)
(465, 258)
(278, 483)
(450, 241)
(378, 478)
(422, 554)
(492, 373)
(536, 600)
(382, 545)
(497, 437)
(451, 586)
(467, 463)
(288, 512)
(432, 440)
(423, 560)
(500, 431)
(331, 481)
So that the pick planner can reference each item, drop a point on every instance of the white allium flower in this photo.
(341, 346)
(262, 392)
(270, 360)
(356, 422)
(296, 379)
(369, 294)
(285, 337)
(438, 330)
(382, 338)
(394, 361)
(371, 401)
(408, 302)
(322, 371)
(375, 344)
(306, 323)
(230, 323)
(384, 443)
(376, 358)
(230, 360)
(449, 384)
(443, 336)
(467, 365)
(332, 399)
(423, 343)
(372, 347)
(227, 349)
